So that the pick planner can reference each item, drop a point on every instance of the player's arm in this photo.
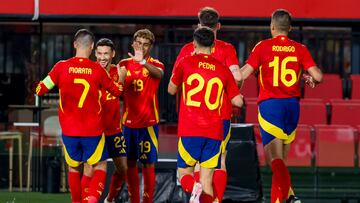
(232, 90)
(315, 76)
(172, 88)
(246, 71)
(237, 101)
(138, 56)
(108, 84)
(311, 68)
(176, 79)
(153, 70)
(121, 72)
(44, 86)
(235, 70)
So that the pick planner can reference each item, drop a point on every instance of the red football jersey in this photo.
(111, 118)
(141, 108)
(223, 52)
(79, 81)
(280, 62)
(204, 80)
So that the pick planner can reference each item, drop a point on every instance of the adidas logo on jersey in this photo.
(143, 156)
(122, 151)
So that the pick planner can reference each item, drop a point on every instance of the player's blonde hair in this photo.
(281, 19)
(146, 34)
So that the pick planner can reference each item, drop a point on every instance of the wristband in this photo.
(142, 62)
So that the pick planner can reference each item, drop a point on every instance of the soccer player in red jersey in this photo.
(140, 115)
(79, 81)
(225, 53)
(115, 141)
(280, 62)
(204, 80)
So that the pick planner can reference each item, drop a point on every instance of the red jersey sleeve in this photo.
(177, 76)
(254, 59)
(108, 84)
(52, 79)
(307, 61)
(231, 58)
(157, 63)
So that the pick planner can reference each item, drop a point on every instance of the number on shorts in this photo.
(145, 146)
(119, 142)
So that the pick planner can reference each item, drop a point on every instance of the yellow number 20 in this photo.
(283, 71)
(199, 87)
(85, 91)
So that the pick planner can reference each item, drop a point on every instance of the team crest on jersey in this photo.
(145, 72)
(115, 77)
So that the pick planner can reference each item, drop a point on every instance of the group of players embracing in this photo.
(208, 77)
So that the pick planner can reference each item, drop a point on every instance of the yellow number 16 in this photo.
(283, 71)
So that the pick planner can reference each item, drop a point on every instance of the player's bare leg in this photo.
(189, 184)
(133, 181)
(148, 172)
(97, 184)
(281, 184)
(74, 182)
(118, 178)
(206, 180)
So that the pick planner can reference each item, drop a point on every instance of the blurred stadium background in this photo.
(324, 160)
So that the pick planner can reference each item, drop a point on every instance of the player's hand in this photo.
(309, 80)
(138, 52)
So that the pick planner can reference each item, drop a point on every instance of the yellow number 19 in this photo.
(283, 71)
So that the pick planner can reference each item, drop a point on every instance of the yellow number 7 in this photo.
(85, 91)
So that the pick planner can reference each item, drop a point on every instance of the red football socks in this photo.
(219, 183)
(85, 182)
(281, 176)
(116, 182)
(149, 184)
(75, 186)
(276, 196)
(206, 198)
(133, 184)
(97, 185)
(187, 183)
(197, 176)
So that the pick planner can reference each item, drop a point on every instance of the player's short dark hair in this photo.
(204, 36)
(146, 34)
(209, 17)
(105, 42)
(281, 19)
(84, 37)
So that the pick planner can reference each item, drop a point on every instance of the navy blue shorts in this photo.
(116, 145)
(142, 143)
(278, 118)
(204, 150)
(84, 149)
